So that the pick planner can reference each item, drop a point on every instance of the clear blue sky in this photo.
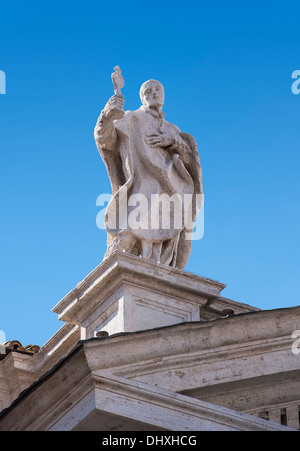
(226, 68)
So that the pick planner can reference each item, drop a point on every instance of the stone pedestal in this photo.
(126, 293)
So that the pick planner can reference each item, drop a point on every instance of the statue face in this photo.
(153, 94)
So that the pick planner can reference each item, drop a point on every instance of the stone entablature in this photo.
(78, 395)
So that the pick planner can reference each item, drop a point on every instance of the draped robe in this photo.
(138, 170)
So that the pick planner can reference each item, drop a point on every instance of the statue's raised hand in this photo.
(114, 109)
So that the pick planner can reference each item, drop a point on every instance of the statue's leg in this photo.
(146, 249)
(151, 250)
(156, 252)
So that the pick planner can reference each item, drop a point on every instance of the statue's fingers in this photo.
(152, 141)
(156, 144)
(154, 138)
(116, 104)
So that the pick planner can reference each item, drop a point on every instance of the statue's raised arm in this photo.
(105, 133)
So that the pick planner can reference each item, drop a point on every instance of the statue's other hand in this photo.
(114, 109)
(162, 140)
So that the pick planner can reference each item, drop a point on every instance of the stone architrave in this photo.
(155, 175)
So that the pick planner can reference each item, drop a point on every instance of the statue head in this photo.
(152, 93)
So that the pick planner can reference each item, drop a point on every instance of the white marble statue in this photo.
(155, 175)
